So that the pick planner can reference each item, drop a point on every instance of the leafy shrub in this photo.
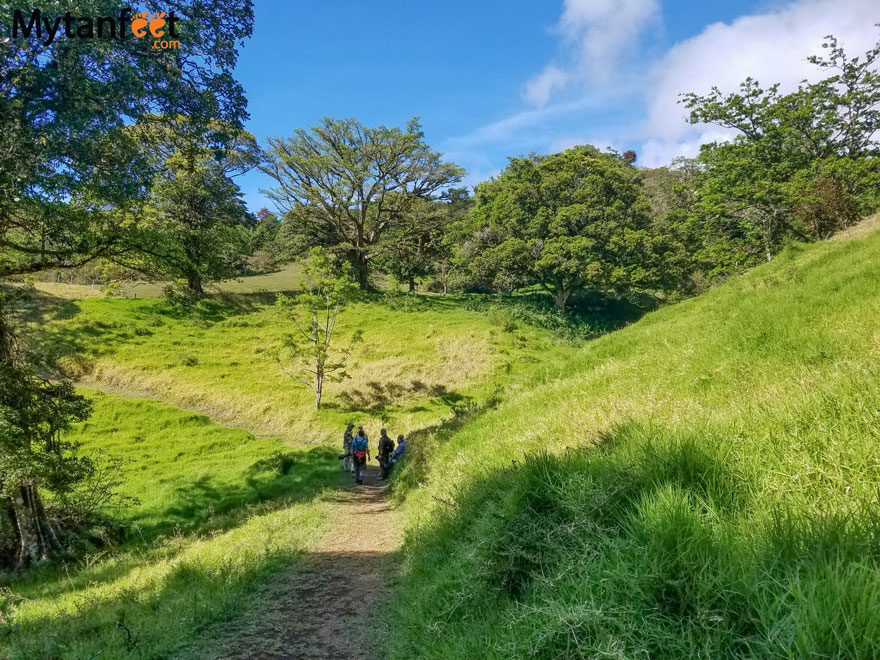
(402, 302)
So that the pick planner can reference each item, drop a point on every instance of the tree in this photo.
(356, 184)
(66, 157)
(801, 166)
(72, 180)
(194, 228)
(571, 221)
(34, 412)
(197, 233)
(421, 241)
(308, 354)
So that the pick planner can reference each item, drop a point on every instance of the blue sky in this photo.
(492, 78)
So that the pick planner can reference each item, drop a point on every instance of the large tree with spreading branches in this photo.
(358, 186)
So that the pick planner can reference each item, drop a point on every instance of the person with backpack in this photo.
(386, 446)
(347, 462)
(360, 451)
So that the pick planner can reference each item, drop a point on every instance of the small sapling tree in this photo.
(307, 353)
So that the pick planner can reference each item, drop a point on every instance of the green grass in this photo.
(283, 279)
(219, 516)
(703, 483)
(191, 474)
(421, 359)
(217, 519)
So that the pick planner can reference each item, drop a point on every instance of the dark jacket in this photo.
(386, 446)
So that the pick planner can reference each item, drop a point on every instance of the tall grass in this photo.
(701, 484)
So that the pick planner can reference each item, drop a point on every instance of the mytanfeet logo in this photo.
(158, 26)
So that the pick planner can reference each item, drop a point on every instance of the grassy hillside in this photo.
(283, 279)
(223, 512)
(703, 483)
(421, 359)
(220, 513)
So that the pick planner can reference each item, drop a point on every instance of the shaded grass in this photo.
(220, 513)
(702, 483)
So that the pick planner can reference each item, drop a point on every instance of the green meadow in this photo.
(422, 359)
(220, 513)
(701, 483)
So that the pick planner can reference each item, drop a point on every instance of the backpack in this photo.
(359, 449)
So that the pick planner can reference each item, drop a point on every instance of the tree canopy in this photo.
(801, 166)
(570, 221)
(73, 178)
(355, 185)
(66, 158)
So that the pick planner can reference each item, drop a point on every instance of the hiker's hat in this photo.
(350, 425)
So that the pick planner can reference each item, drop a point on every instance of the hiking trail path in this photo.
(332, 602)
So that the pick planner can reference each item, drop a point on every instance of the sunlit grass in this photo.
(701, 484)
(417, 362)
(283, 279)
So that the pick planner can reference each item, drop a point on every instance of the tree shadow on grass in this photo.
(649, 524)
(252, 602)
(282, 604)
(203, 506)
(377, 398)
(207, 502)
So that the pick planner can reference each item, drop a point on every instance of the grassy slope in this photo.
(729, 506)
(216, 520)
(416, 363)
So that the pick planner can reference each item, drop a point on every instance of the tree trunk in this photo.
(9, 542)
(412, 285)
(195, 283)
(37, 538)
(319, 387)
(560, 297)
(361, 270)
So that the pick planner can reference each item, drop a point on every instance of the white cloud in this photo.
(597, 34)
(603, 30)
(770, 47)
(539, 88)
(603, 38)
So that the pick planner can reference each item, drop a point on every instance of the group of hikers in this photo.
(356, 452)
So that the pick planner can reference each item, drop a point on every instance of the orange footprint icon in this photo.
(139, 24)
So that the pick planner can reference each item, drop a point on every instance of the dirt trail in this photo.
(333, 603)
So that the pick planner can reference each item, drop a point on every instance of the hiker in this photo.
(386, 447)
(347, 462)
(398, 453)
(360, 451)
